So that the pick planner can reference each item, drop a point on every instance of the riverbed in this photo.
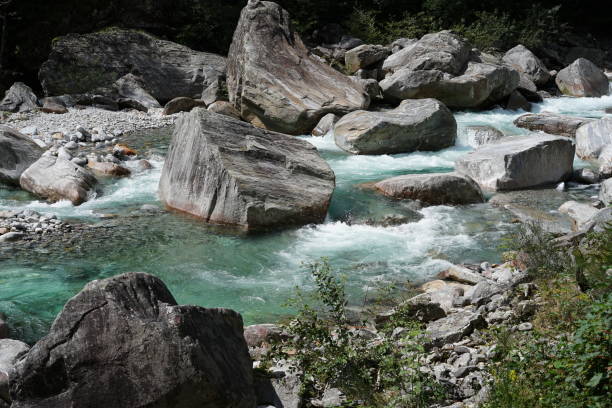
(256, 274)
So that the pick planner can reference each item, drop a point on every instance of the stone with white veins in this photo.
(582, 78)
(519, 162)
(593, 137)
(228, 172)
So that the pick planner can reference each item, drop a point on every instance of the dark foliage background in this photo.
(30, 25)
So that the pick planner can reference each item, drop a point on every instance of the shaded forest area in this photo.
(29, 26)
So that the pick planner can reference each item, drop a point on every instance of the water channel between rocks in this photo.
(256, 274)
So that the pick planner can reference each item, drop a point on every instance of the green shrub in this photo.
(330, 353)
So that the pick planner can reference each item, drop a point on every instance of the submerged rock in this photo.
(124, 342)
(519, 162)
(561, 125)
(19, 98)
(80, 63)
(58, 179)
(582, 78)
(274, 81)
(433, 189)
(525, 61)
(416, 125)
(593, 137)
(17, 153)
(229, 172)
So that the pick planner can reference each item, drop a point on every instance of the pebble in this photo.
(525, 326)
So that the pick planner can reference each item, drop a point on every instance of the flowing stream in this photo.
(256, 274)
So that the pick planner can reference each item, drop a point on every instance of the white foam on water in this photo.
(588, 107)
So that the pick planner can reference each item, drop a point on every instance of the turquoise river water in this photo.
(255, 274)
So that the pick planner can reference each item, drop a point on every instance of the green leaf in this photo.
(594, 381)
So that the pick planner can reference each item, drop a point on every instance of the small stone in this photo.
(525, 326)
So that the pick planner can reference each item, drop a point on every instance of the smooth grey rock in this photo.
(124, 342)
(134, 88)
(443, 51)
(11, 236)
(433, 189)
(57, 179)
(229, 172)
(53, 105)
(582, 78)
(80, 63)
(479, 135)
(561, 125)
(516, 101)
(19, 98)
(454, 327)
(10, 353)
(273, 80)
(519, 162)
(483, 291)
(17, 153)
(364, 56)
(224, 108)
(424, 124)
(325, 125)
(525, 61)
(461, 274)
(480, 85)
(605, 193)
(181, 104)
(580, 213)
(593, 137)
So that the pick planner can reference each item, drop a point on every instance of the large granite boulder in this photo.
(433, 189)
(364, 56)
(580, 213)
(19, 98)
(443, 51)
(551, 123)
(274, 81)
(519, 162)
(593, 137)
(228, 172)
(10, 353)
(605, 193)
(56, 179)
(582, 78)
(17, 153)
(480, 85)
(124, 342)
(80, 63)
(134, 88)
(525, 61)
(417, 124)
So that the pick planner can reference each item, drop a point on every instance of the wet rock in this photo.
(170, 355)
(605, 193)
(11, 236)
(229, 172)
(364, 56)
(479, 135)
(551, 123)
(424, 124)
(525, 61)
(181, 104)
(80, 63)
(454, 327)
(582, 78)
(17, 153)
(108, 169)
(519, 162)
(593, 137)
(273, 80)
(19, 98)
(225, 108)
(57, 179)
(433, 189)
(325, 125)
(443, 51)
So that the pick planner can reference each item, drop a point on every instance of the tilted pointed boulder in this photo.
(226, 171)
(123, 342)
(273, 80)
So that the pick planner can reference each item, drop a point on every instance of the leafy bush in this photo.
(329, 352)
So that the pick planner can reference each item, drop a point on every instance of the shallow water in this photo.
(255, 275)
